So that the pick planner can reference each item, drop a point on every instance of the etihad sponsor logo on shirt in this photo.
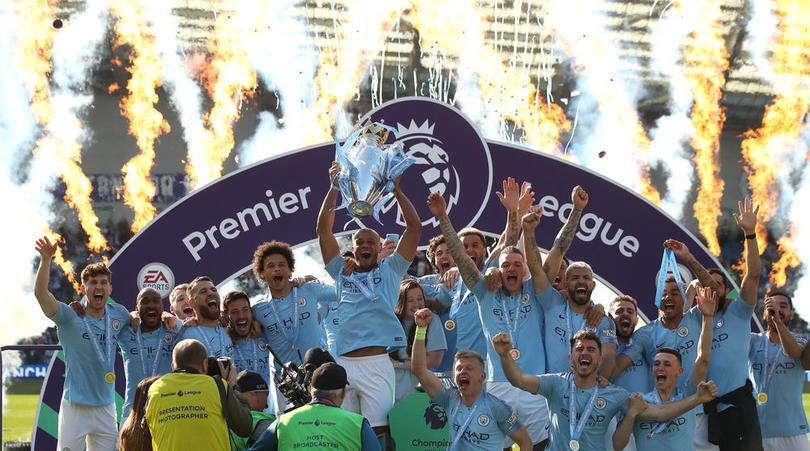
(471, 436)
(673, 425)
(524, 311)
(718, 340)
(780, 367)
(286, 322)
(351, 288)
(684, 347)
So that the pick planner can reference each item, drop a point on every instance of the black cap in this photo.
(329, 376)
(248, 381)
(316, 357)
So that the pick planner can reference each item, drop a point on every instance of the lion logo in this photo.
(435, 416)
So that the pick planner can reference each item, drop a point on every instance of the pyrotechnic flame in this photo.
(345, 59)
(59, 259)
(32, 52)
(457, 28)
(768, 150)
(787, 258)
(229, 77)
(145, 121)
(706, 61)
(33, 57)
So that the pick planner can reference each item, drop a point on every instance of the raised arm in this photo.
(622, 434)
(419, 367)
(566, 235)
(622, 363)
(608, 359)
(514, 374)
(510, 200)
(466, 267)
(790, 346)
(707, 303)
(413, 225)
(47, 302)
(682, 252)
(326, 218)
(533, 259)
(747, 220)
(662, 412)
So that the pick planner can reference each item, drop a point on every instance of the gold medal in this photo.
(762, 397)
(515, 354)
(449, 324)
(109, 377)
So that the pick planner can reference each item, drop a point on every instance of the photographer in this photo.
(187, 409)
(321, 423)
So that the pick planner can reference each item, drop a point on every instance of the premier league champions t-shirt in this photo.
(365, 313)
(290, 324)
(482, 426)
(145, 354)
(609, 401)
(520, 316)
(85, 369)
(558, 319)
(783, 414)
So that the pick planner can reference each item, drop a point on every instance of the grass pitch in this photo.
(18, 417)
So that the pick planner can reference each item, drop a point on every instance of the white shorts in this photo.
(531, 409)
(80, 424)
(785, 443)
(614, 423)
(702, 434)
(371, 387)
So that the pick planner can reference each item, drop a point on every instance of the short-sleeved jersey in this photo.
(364, 322)
(525, 317)
(557, 340)
(252, 354)
(609, 401)
(84, 372)
(783, 414)
(215, 339)
(676, 433)
(731, 341)
(291, 338)
(153, 357)
(654, 336)
(488, 420)
(636, 377)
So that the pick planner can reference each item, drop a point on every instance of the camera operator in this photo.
(321, 423)
(187, 409)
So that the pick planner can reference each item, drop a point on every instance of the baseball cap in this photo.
(329, 376)
(317, 357)
(248, 381)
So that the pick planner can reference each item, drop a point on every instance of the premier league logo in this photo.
(435, 416)
(450, 157)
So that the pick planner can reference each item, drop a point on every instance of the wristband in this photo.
(751, 236)
(420, 333)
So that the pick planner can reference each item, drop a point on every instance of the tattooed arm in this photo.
(566, 236)
(466, 267)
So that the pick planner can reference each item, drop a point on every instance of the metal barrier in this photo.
(21, 348)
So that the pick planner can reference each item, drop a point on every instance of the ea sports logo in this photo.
(157, 276)
(450, 158)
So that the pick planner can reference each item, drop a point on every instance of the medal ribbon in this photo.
(568, 314)
(668, 263)
(458, 300)
(510, 329)
(367, 290)
(294, 336)
(153, 369)
(575, 429)
(253, 346)
(767, 373)
(108, 360)
(463, 427)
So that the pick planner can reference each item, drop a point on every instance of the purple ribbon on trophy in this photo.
(368, 169)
